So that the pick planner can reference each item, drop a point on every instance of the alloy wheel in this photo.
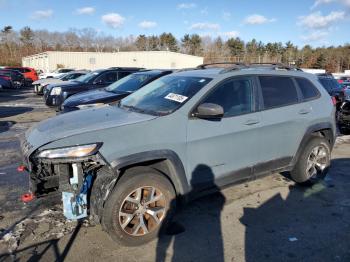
(317, 161)
(142, 211)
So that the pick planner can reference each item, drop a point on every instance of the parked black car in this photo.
(332, 86)
(5, 83)
(114, 92)
(344, 116)
(55, 95)
(16, 78)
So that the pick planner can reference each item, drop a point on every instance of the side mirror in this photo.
(209, 111)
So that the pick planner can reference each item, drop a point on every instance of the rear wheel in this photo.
(140, 205)
(313, 162)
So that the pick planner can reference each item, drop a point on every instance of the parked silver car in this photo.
(128, 165)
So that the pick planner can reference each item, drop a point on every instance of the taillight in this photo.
(334, 101)
(340, 81)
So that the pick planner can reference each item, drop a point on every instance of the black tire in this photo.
(299, 173)
(344, 130)
(133, 179)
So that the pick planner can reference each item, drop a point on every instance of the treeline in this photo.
(14, 45)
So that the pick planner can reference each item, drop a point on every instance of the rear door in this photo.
(284, 120)
(227, 147)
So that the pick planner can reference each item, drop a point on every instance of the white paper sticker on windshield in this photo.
(176, 97)
(202, 80)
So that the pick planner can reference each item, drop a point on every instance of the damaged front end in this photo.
(68, 170)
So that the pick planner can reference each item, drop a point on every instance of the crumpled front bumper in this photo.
(47, 176)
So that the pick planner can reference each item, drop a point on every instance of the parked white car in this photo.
(40, 84)
(55, 74)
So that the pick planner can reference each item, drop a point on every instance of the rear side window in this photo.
(308, 90)
(278, 91)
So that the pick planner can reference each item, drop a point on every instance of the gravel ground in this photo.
(270, 219)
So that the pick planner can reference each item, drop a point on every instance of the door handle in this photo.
(252, 122)
(304, 111)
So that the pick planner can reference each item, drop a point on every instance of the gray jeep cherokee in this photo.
(128, 165)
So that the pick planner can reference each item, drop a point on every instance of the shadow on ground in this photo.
(9, 111)
(6, 125)
(306, 225)
(40, 250)
(9, 95)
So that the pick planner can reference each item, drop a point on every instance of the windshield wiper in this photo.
(139, 110)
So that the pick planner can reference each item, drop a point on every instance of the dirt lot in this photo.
(270, 219)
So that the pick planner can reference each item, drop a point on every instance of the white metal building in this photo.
(51, 60)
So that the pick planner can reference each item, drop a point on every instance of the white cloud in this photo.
(147, 24)
(315, 36)
(230, 34)
(204, 26)
(186, 5)
(88, 10)
(226, 16)
(321, 2)
(316, 20)
(42, 14)
(113, 20)
(258, 20)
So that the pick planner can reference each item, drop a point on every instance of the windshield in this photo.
(62, 77)
(129, 83)
(164, 95)
(86, 78)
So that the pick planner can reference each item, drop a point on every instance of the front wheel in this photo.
(141, 204)
(313, 162)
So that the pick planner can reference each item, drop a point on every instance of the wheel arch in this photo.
(321, 130)
(165, 161)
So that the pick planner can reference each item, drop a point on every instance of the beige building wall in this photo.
(49, 61)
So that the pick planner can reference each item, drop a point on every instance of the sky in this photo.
(314, 22)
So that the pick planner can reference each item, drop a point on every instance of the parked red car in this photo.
(29, 73)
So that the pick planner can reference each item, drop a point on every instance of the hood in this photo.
(79, 122)
(47, 81)
(93, 96)
(68, 84)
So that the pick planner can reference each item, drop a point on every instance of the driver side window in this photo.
(234, 95)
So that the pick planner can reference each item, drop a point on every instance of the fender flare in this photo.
(177, 174)
(309, 133)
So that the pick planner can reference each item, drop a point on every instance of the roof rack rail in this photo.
(124, 67)
(185, 69)
(237, 64)
(275, 66)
